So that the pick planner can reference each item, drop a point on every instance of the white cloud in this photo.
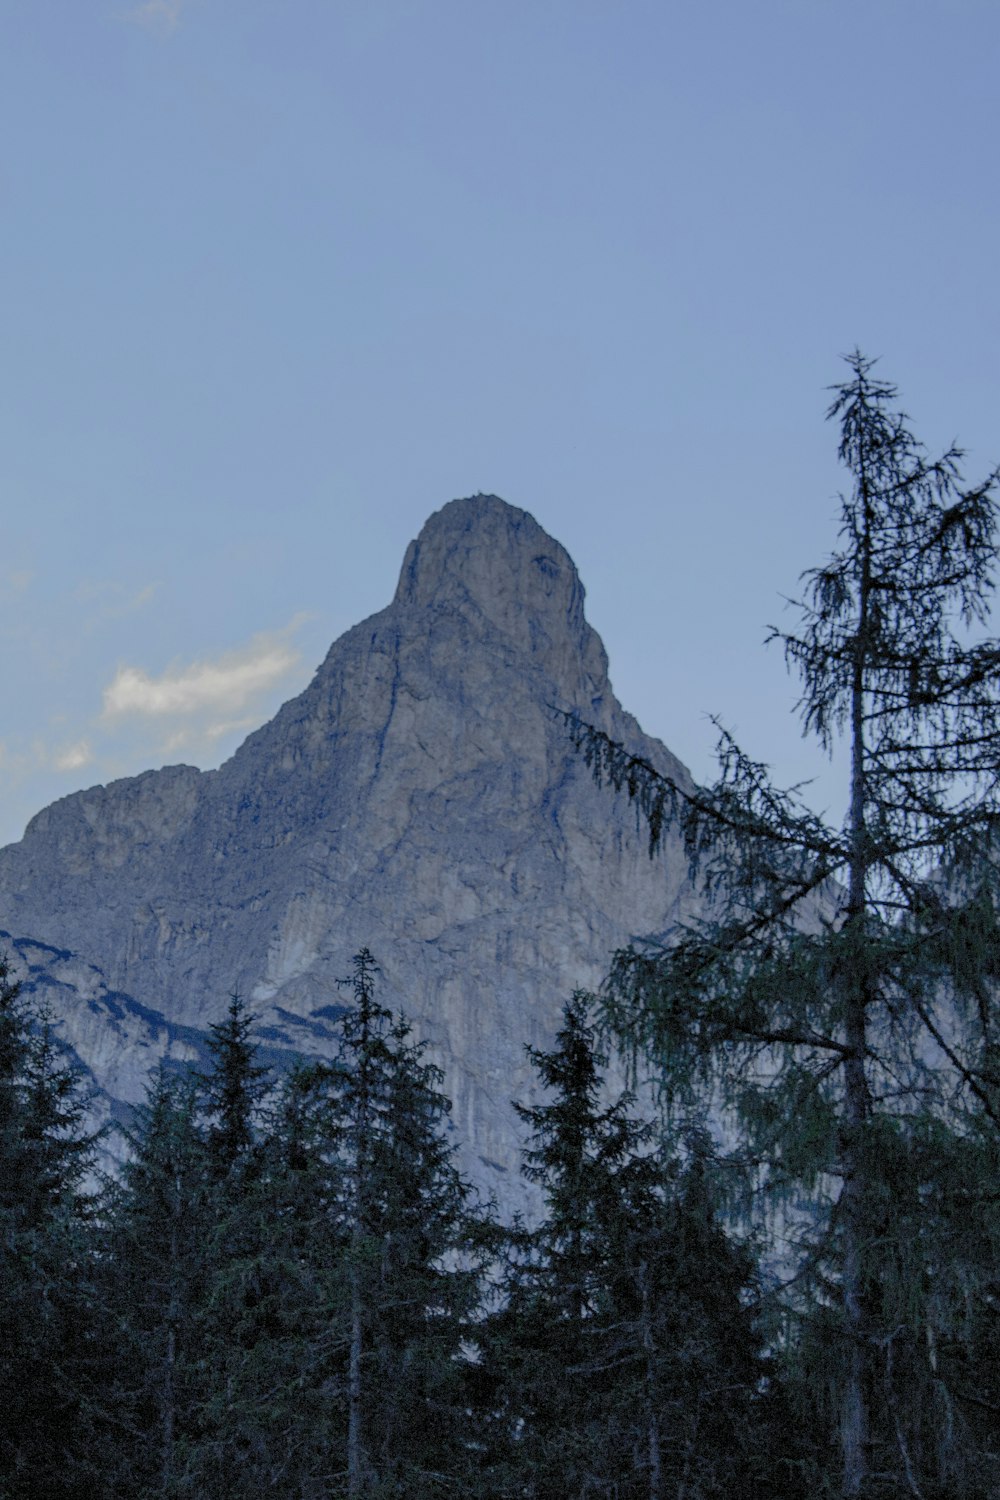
(72, 757)
(222, 686)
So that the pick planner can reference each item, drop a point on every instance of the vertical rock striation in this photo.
(420, 797)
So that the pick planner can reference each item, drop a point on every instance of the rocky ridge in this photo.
(420, 797)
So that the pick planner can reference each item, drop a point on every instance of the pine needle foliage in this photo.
(155, 1266)
(417, 1245)
(630, 1364)
(232, 1091)
(50, 1409)
(840, 994)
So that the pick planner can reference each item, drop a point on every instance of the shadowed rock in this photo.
(420, 797)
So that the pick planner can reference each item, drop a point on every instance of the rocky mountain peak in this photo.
(420, 798)
(490, 561)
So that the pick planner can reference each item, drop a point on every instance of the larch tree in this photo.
(839, 993)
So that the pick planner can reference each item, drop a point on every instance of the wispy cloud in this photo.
(162, 16)
(196, 737)
(113, 600)
(230, 726)
(221, 687)
(196, 711)
(73, 757)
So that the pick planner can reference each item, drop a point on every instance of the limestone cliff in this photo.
(420, 798)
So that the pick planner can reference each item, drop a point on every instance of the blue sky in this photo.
(281, 277)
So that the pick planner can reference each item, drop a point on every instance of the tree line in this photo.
(290, 1290)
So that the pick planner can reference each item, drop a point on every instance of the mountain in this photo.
(420, 798)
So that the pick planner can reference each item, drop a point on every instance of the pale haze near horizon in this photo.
(281, 279)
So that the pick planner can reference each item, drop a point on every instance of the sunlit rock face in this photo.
(420, 798)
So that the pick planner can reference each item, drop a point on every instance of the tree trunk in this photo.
(855, 1415)
(167, 1413)
(355, 1442)
(855, 1423)
(654, 1459)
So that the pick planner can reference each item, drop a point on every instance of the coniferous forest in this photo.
(784, 1281)
(289, 1289)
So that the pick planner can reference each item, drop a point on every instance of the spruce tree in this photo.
(629, 1363)
(346, 1309)
(159, 1220)
(232, 1091)
(842, 988)
(415, 1248)
(229, 1098)
(275, 1417)
(51, 1408)
(561, 1375)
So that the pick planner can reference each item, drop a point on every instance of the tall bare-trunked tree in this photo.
(841, 997)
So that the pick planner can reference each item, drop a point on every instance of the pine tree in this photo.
(629, 1361)
(813, 1000)
(415, 1251)
(561, 1374)
(50, 1414)
(232, 1091)
(159, 1224)
(345, 1310)
(234, 1205)
(275, 1416)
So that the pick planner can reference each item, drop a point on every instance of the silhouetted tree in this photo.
(50, 1409)
(629, 1362)
(155, 1266)
(812, 1000)
(415, 1252)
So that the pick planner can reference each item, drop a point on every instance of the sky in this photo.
(282, 277)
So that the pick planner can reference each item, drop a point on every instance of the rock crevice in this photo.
(420, 798)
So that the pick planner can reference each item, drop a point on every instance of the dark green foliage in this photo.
(340, 1283)
(276, 1311)
(231, 1093)
(630, 1364)
(50, 1411)
(155, 1266)
(839, 1003)
(415, 1251)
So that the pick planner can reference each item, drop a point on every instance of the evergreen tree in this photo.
(159, 1226)
(232, 1091)
(50, 1411)
(630, 1363)
(415, 1249)
(343, 1312)
(559, 1375)
(813, 1000)
(229, 1100)
(275, 1417)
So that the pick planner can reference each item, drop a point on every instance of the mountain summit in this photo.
(490, 562)
(420, 798)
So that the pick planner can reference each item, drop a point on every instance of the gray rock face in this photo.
(420, 797)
